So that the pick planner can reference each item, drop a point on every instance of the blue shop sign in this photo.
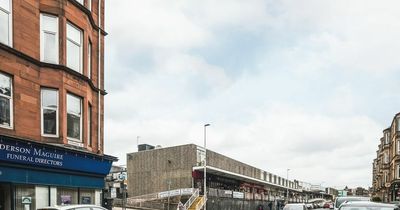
(51, 157)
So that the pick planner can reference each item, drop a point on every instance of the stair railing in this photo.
(191, 199)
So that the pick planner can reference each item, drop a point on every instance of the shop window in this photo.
(74, 118)
(5, 196)
(5, 22)
(24, 192)
(74, 48)
(86, 196)
(49, 38)
(6, 118)
(49, 112)
(67, 196)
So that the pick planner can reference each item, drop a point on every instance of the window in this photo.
(89, 126)
(89, 5)
(6, 119)
(49, 112)
(398, 124)
(49, 38)
(74, 48)
(80, 1)
(387, 138)
(398, 146)
(89, 60)
(5, 22)
(74, 118)
(398, 172)
(386, 158)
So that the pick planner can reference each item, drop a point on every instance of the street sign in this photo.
(26, 200)
(122, 176)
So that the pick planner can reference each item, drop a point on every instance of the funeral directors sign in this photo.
(51, 157)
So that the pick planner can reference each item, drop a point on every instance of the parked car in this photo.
(340, 200)
(73, 207)
(366, 205)
(327, 205)
(295, 206)
(309, 205)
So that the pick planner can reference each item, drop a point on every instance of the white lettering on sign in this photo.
(38, 156)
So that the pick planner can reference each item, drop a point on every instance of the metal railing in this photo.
(201, 203)
(191, 199)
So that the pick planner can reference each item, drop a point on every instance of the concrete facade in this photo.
(164, 169)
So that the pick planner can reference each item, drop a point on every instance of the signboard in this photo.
(238, 195)
(66, 199)
(86, 200)
(26, 200)
(113, 193)
(122, 176)
(29, 153)
(187, 191)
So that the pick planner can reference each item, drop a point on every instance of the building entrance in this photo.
(5, 196)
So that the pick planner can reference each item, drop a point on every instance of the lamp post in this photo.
(287, 187)
(205, 165)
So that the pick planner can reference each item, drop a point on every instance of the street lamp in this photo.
(287, 187)
(205, 165)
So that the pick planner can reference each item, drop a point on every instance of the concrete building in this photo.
(386, 165)
(181, 167)
(51, 103)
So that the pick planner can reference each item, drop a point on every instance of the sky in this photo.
(306, 85)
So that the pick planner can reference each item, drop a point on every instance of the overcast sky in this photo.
(305, 85)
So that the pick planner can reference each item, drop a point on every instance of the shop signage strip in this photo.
(43, 156)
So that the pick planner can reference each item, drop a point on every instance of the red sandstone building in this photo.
(51, 102)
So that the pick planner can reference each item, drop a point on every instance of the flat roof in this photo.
(229, 174)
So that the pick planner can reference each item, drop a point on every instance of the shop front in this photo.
(34, 175)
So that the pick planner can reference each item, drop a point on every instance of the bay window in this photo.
(49, 38)
(5, 22)
(6, 98)
(74, 48)
(74, 118)
(49, 112)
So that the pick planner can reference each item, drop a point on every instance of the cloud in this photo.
(285, 84)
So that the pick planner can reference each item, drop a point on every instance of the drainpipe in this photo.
(99, 79)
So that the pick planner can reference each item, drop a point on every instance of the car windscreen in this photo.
(339, 201)
(366, 208)
(293, 207)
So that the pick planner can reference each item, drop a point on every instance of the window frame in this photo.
(57, 112)
(42, 32)
(80, 141)
(11, 99)
(89, 125)
(10, 23)
(80, 70)
(89, 60)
